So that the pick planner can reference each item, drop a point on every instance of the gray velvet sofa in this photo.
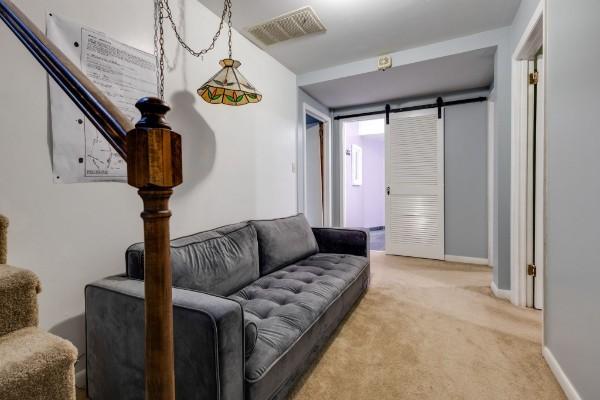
(254, 305)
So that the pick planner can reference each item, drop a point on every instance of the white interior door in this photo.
(538, 285)
(535, 186)
(414, 168)
(531, 120)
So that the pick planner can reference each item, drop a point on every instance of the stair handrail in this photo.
(153, 154)
(96, 106)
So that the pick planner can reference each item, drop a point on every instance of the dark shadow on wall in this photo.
(198, 140)
(73, 329)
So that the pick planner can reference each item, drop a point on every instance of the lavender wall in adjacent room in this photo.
(365, 204)
(354, 194)
(373, 181)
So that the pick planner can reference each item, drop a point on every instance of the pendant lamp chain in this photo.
(162, 7)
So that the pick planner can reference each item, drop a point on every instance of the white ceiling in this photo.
(359, 29)
(459, 72)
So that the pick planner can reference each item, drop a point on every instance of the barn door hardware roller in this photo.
(440, 104)
(387, 114)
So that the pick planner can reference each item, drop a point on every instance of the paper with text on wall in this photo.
(125, 74)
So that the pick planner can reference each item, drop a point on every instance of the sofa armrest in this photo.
(354, 241)
(208, 334)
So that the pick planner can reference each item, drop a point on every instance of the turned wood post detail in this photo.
(154, 167)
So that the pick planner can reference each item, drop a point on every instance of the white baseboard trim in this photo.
(560, 375)
(466, 260)
(500, 293)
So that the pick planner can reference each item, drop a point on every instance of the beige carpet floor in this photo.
(432, 330)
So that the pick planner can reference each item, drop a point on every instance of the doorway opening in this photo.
(314, 180)
(363, 178)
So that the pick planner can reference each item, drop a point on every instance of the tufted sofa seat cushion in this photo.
(285, 303)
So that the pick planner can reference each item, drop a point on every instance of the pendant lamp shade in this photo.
(228, 86)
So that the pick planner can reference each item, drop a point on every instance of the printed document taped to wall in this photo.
(125, 75)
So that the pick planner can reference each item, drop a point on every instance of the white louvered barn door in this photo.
(414, 169)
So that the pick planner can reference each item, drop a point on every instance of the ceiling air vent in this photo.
(292, 25)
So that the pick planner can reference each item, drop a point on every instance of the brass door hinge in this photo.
(533, 78)
(531, 270)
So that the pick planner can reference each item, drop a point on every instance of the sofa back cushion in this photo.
(284, 241)
(220, 261)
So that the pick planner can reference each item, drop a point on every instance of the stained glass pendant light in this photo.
(228, 86)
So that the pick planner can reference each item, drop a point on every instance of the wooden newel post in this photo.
(154, 167)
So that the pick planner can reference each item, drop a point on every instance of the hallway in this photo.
(433, 330)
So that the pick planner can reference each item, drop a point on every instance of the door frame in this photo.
(342, 164)
(532, 39)
(309, 110)
(540, 186)
(491, 168)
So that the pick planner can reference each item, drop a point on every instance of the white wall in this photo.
(500, 260)
(466, 186)
(571, 315)
(237, 161)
